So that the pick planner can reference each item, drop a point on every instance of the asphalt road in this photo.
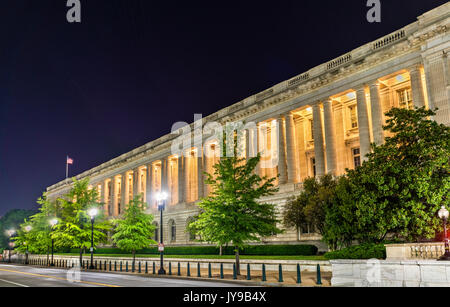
(12, 275)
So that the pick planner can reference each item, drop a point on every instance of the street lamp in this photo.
(161, 198)
(10, 233)
(443, 215)
(92, 213)
(53, 222)
(27, 229)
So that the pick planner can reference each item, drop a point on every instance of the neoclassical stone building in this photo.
(326, 118)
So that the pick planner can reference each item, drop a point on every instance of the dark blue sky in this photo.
(132, 68)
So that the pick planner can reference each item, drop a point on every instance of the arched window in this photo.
(156, 238)
(172, 231)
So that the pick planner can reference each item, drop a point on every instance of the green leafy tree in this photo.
(309, 207)
(74, 227)
(232, 214)
(134, 231)
(401, 186)
(12, 220)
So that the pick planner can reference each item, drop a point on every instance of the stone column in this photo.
(258, 169)
(416, 86)
(330, 136)
(199, 173)
(181, 178)
(124, 198)
(290, 148)
(102, 196)
(377, 113)
(148, 185)
(363, 122)
(136, 182)
(165, 178)
(282, 168)
(114, 198)
(318, 140)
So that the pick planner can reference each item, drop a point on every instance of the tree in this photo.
(309, 207)
(74, 228)
(12, 220)
(405, 180)
(232, 214)
(135, 230)
(400, 187)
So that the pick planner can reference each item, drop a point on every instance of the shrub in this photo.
(363, 251)
(262, 250)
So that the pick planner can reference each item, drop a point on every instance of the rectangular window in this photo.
(313, 166)
(311, 126)
(405, 98)
(356, 157)
(353, 117)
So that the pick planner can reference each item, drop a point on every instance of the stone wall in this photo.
(387, 273)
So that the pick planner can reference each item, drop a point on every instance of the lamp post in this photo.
(53, 222)
(27, 229)
(161, 200)
(443, 215)
(10, 234)
(92, 213)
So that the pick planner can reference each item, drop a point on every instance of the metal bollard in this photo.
(154, 268)
(115, 266)
(198, 269)
(280, 273)
(110, 266)
(139, 267)
(170, 268)
(299, 274)
(179, 269)
(121, 266)
(188, 269)
(264, 278)
(248, 272)
(234, 271)
(146, 267)
(209, 270)
(221, 271)
(126, 266)
(132, 266)
(319, 277)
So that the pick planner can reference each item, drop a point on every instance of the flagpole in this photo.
(67, 168)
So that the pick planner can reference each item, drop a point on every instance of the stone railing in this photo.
(414, 251)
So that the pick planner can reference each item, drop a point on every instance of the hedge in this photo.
(363, 251)
(262, 250)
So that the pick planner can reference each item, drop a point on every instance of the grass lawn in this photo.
(206, 256)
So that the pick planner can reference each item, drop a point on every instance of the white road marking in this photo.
(14, 283)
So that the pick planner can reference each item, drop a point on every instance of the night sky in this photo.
(132, 68)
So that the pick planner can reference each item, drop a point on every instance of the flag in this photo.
(69, 160)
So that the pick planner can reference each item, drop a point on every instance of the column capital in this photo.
(360, 88)
(415, 68)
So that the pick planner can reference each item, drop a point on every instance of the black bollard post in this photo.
(209, 270)
(179, 269)
(299, 274)
(170, 268)
(221, 271)
(154, 268)
(264, 278)
(248, 272)
(126, 266)
(198, 269)
(139, 271)
(188, 269)
(319, 276)
(146, 267)
(234, 271)
(121, 265)
(280, 273)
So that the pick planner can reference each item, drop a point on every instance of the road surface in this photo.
(12, 275)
